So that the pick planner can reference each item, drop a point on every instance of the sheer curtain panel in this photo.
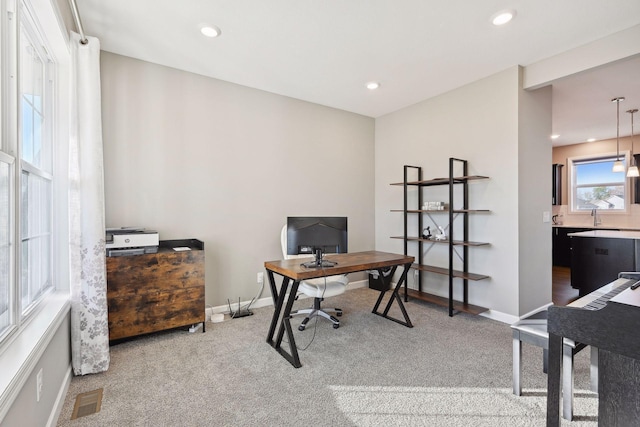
(89, 327)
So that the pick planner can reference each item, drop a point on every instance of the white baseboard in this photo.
(500, 316)
(510, 318)
(59, 403)
(268, 301)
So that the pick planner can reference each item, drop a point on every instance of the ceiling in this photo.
(325, 51)
(582, 106)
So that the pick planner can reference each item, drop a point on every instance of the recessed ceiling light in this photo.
(555, 136)
(210, 31)
(503, 17)
(373, 85)
(591, 140)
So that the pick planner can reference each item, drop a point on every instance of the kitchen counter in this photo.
(591, 227)
(610, 234)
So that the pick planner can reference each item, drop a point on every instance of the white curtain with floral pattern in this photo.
(89, 327)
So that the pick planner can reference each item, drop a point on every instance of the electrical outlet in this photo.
(260, 278)
(38, 385)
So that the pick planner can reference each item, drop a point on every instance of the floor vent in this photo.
(87, 403)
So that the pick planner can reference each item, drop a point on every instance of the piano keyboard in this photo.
(598, 298)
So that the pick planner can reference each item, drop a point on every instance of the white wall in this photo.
(195, 157)
(480, 123)
(534, 182)
(55, 363)
(606, 50)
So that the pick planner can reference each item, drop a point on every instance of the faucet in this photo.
(596, 220)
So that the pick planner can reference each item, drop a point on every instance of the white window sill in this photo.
(24, 350)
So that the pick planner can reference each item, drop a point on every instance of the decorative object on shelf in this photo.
(618, 166)
(633, 169)
(441, 235)
(433, 206)
(426, 233)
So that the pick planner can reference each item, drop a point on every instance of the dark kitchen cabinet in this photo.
(556, 191)
(561, 245)
(598, 260)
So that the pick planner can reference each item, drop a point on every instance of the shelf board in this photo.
(445, 271)
(455, 242)
(421, 210)
(461, 243)
(471, 210)
(442, 210)
(444, 302)
(443, 181)
(471, 178)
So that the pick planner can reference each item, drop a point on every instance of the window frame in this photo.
(572, 187)
(26, 16)
(10, 314)
(39, 42)
(28, 339)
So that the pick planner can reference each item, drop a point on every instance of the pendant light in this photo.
(633, 169)
(618, 166)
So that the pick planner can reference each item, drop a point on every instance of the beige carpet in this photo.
(369, 372)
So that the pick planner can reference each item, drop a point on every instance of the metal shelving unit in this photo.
(454, 213)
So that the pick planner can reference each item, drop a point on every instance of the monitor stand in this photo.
(318, 262)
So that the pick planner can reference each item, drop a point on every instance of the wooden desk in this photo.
(293, 272)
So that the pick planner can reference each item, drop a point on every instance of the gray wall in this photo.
(478, 122)
(195, 157)
(56, 365)
(534, 198)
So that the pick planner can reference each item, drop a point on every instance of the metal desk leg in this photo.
(272, 285)
(285, 324)
(395, 296)
(384, 291)
(278, 302)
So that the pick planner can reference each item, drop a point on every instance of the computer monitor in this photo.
(316, 236)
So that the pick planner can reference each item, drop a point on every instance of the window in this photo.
(26, 171)
(35, 90)
(595, 186)
(35, 154)
(5, 242)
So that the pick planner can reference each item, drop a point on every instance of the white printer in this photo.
(131, 241)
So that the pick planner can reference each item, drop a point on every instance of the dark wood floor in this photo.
(562, 292)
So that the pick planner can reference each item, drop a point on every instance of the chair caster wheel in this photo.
(301, 328)
(336, 325)
(338, 313)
